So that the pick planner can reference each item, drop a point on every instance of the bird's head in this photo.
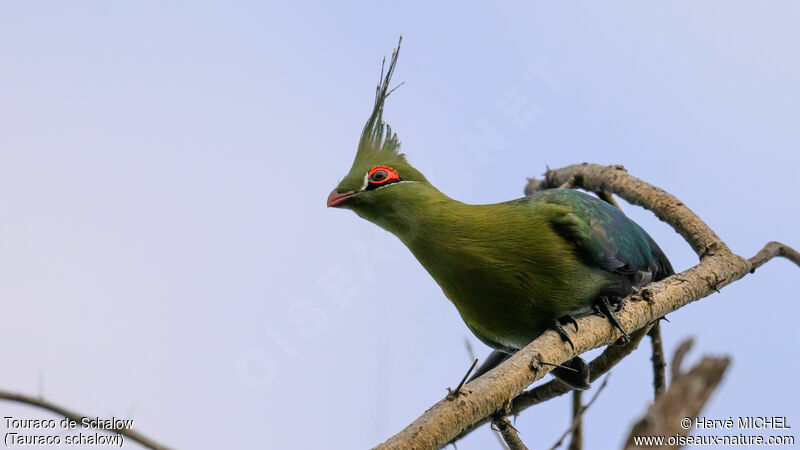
(380, 179)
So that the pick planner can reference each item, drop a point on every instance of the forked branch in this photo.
(495, 391)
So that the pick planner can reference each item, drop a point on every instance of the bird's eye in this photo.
(378, 176)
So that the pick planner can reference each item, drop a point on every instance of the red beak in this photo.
(335, 199)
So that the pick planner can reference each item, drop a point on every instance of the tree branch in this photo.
(771, 250)
(64, 412)
(659, 376)
(494, 391)
(677, 358)
(509, 433)
(616, 180)
(608, 198)
(555, 388)
(576, 441)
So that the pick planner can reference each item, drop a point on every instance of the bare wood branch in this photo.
(569, 184)
(686, 396)
(597, 368)
(616, 180)
(602, 364)
(657, 358)
(509, 433)
(576, 441)
(492, 392)
(64, 412)
(773, 249)
(555, 388)
(678, 356)
(608, 198)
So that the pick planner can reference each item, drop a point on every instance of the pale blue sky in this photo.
(165, 250)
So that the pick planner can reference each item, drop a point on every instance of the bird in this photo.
(513, 269)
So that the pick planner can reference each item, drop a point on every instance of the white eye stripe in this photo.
(394, 184)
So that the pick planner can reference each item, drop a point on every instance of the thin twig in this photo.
(687, 395)
(576, 421)
(773, 249)
(76, 417)
(677, 358)
(509, 433)
(454, 393)
(576, 441)
(569, 184)
(659, 364)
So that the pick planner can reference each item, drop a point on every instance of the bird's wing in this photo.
(605, 237)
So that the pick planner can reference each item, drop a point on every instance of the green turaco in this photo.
(514, 269)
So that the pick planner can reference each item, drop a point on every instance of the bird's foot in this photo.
(597, 310)
(604, 309)
(556, 325)
(569, 319)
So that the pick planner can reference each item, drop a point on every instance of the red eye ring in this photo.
(391, 174)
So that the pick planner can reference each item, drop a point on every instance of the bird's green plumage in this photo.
(509, 268)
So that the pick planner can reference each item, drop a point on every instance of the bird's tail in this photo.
(574, 373)
(493, 360)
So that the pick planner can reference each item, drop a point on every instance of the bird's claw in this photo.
(569, 319)
(605, 310)
(597, 311)
(556, 325)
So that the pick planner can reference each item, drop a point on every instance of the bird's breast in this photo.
(508, 295)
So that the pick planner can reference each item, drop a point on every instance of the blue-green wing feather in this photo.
(605, 237)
